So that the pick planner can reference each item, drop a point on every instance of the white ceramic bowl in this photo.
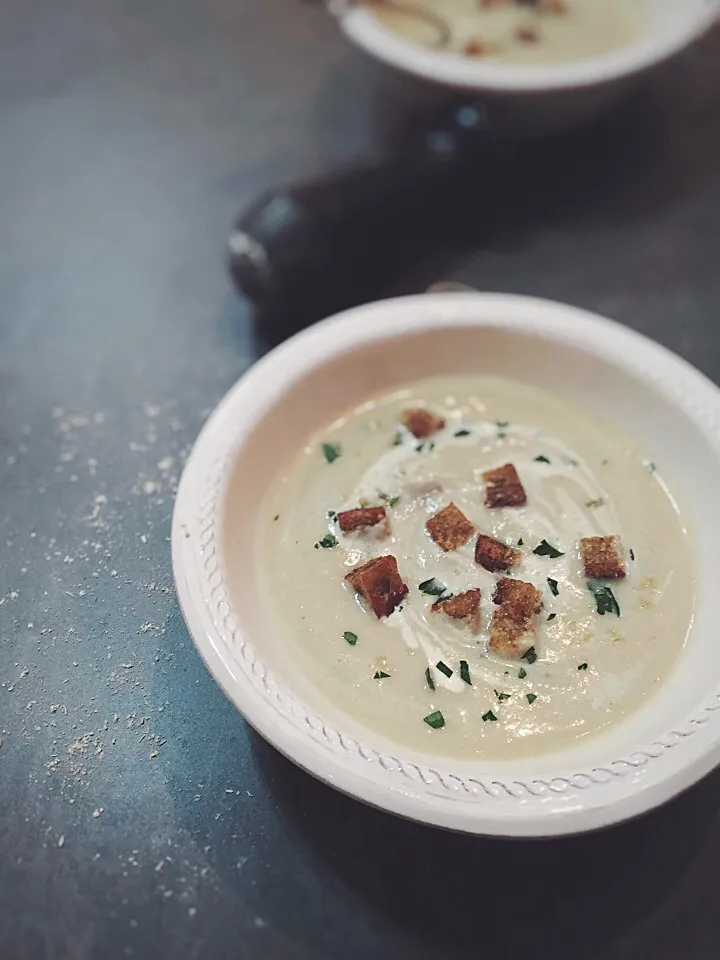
(671, 408)
(537, 97)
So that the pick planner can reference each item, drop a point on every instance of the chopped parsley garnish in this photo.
(444, 668)
(541, 459)
(551, 617)
(380, 675)
(390, 501)
(501, 696)
(429, 679)
(332, 515)
(435, 720)
(553, 586)
(489, 716)
(432, 587)
(329, 540)
(595, 503)
(520, 542)
(529, 655)
(398, 439)
(522, 673)
(350, 637)
(604, 598)
(531, 697)
(465, 672)
(650, 466)
(276, 517)
(582, 666)
(429, 445)
(502, 426)
(332, 451)
(632, 552)
(545, 549)
(462, 433)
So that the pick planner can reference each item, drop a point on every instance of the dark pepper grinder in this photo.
(305, 250)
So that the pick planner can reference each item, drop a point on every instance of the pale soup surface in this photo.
(515, 32)
(582, 478)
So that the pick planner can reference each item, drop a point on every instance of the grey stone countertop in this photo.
(139, 816)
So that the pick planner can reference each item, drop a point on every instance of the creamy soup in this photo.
(595, 651)
(547, 31)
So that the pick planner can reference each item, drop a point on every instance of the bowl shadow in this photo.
(570, 896)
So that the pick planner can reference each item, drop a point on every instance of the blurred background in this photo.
(138, 814)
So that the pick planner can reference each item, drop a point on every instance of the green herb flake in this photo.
(553, 584)
(595, 503)
(605, 601)
(501, 696)
(428, 679)
(522, 673)
(398, 439)
(462, 433)
(331, 451)
(435, 720)
(520, 542)
(531, 697)
(650, 466)
(545, 549)
(489, 716)
(632, 552)
(380, 675)
(350, 637)
(332, 515)
(432, 587)
(541, 459)
(582, 666)
(551, 617)
(390, 501)
(502, 426)
(465, 672)
(529, 655)
(328, 541)
(444, 668)
(276, 517)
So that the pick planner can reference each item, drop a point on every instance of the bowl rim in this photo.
(627, 791)
(450, 69)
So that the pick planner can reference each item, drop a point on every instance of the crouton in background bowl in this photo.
(666, 744)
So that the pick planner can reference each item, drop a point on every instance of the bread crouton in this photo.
(464, 608)
(379, 582)
(421, 423)
(450, 528)
(512, 631)
(494, 555)
(503, 487)
(366, 521)
(603, 557)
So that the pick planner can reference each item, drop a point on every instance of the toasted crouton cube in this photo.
(422, 423)
(464, 608)
(513, 627)
(366, 521)
(503, 487)
(379, 582)
(450, 528)
(603, 557)
(494, 555)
